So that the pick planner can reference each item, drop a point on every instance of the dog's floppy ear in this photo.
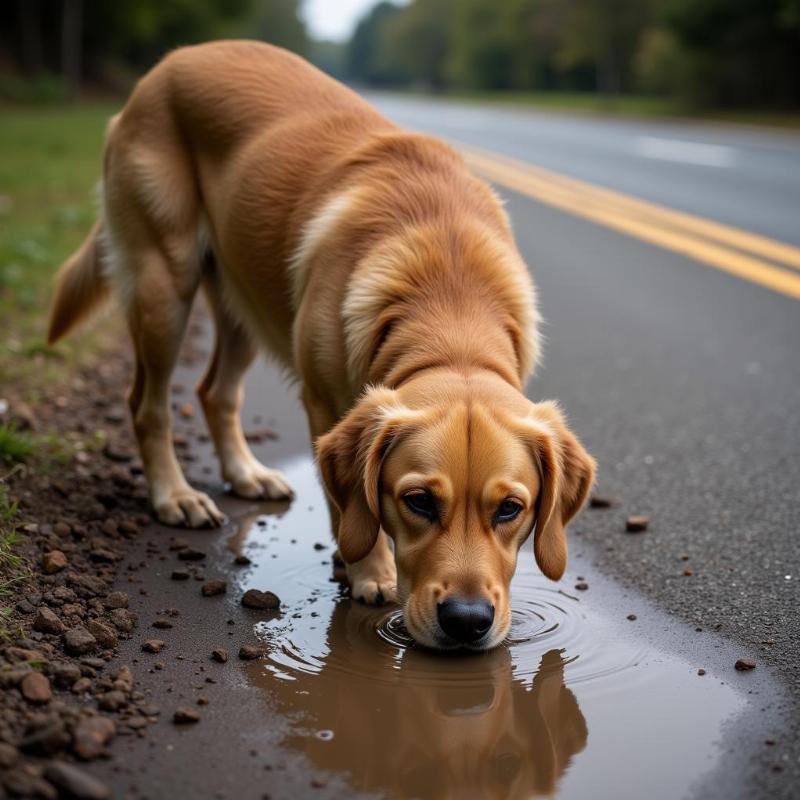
(350, 458)
(566, 473)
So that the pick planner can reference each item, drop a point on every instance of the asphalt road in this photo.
(682, 380)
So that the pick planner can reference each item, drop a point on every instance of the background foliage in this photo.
(701, 53)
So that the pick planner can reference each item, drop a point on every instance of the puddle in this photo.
(574, 704)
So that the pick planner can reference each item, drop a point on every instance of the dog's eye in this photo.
(507, 510)
(423, 504)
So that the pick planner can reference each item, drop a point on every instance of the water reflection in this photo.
(437, 726)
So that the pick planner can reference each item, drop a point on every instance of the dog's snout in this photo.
(465, 621)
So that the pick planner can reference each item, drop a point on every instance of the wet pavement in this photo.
(580, 701)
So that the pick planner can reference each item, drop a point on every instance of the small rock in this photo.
(54, 561)
(71, 781)
(701, 671)
(253, 598)
(62, 529)
(112, 701)
(163, 623)
(248, 652)
(581, 586)
(185, 714)
(242, 561)
(117, 600)
(631, 617)
(105, 634)
(190, 554)
(64, 673)
(320, 546)
(122, 619)
(600, 501)
(8, 755)
(180, 575)
(178, 544)
(153, 646)
(214, 587)
(220, 655)
(116, 453)
(186, 410)
(636, 523)
(91, 735)
(47, 622)
(78, 641)
(35, 688)
(745, 664)
(688, 572)
(81, 685)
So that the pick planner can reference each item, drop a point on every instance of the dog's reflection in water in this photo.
(437, 727)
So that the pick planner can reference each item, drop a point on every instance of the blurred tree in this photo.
(366, 58)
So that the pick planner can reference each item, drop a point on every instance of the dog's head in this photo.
(458, 471)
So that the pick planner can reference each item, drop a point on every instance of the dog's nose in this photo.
(465, 620)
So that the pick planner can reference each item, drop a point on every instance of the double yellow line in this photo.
(764, 261)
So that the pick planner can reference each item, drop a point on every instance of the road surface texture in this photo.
(681, 374)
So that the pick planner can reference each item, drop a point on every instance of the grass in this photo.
(50, 162)
(14, 569)
(15, 445)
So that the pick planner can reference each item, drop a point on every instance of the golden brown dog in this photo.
(384, 277)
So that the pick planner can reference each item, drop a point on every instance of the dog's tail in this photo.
(81, 287)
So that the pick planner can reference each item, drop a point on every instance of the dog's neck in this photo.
(442, 337)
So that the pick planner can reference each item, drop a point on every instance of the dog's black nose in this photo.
(465, 620)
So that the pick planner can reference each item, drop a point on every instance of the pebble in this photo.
(48, 622)
(91, 735)
(117, 600)
(54, 561)
(600, 501)
(35, 688)
(112, 701)
(242, 561)
(636, 523)
(180, 575)
(186, 410)
(248, 652)
(701, 671)
(78, 641)
(105, 635)
(190, 554)
(220, 654)
(581, 586)
(688, 572)
(253, 598)
(745, 664)
(163, 623)
(631, 617)
(153, 646)
(214, 587)
(8, 755)
(185, 714)
(73, 782)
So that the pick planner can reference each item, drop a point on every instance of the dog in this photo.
(384, 277)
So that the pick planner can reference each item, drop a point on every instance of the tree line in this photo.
(701, 52)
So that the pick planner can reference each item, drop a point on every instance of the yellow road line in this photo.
(702, 240)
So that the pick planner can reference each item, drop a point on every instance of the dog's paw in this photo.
(188, 508)
(371, 588)
(257, 482)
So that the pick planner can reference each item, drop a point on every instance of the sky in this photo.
(334, 19)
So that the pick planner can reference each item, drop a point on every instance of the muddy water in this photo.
(574, 704)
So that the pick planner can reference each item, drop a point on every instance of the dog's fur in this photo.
(379, 272)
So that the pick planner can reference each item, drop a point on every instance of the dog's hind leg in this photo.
(157, 315)
(221, 392)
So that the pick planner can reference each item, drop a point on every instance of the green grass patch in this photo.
(13, 566)
(50, 163)
(15, 445)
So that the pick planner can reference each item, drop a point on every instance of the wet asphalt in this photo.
(683, 381)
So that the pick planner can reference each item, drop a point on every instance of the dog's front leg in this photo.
(373, 580)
